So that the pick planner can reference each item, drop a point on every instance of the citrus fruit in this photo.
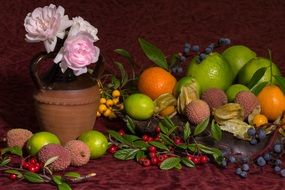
(139, 106)
(237, 56)
(272, 101)
(212, 72)
(155, 81)
(252, 66)
(234, 89)
(259, 120)
(96, 141)
(183, 81)
(40, 139)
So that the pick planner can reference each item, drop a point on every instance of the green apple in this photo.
(40, 139)
(212, 72)
(96, 141)
(185, 81)
(139, 106)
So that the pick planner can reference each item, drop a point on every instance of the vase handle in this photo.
(34, 69)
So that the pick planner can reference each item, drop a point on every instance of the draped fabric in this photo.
(168, 24)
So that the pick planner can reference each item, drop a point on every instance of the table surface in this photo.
(258, 24)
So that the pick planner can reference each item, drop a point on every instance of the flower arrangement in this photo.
(49, 23)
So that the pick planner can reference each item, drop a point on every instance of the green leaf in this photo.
(173, 59)
(159, 145)
(57, 179)
(256, 77)
(13, 150)
(140, 144)
(126, 154)
(216, 131)
(118, 137)
(115, 83)
(186, 131)
(11, 171)
(72, 174)
(163, 128)
(124, 74)
(182, 146)
(281, 82)
(140, 154)
(5, 162)
(256, 89)
(50, 160)
(130, 124)
(153, 53)
(178, 166)
(192, 147)
(201, 127)
(127, 55)
(131, 138)
(187, 162)
(171, 130)
(63, 186)
(166, 139)
(33, 177)
(170, 163)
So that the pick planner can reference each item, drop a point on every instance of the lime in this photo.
(96, 141)
(252, 66)
(40, 139)
(237, 56)
(139, 106)
(234, 89)
(183, 81)
(212, 72)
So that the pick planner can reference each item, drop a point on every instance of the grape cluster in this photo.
(256, 135)
(243, 170)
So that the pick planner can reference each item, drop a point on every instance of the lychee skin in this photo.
(248, 102)
(79, 152)
(214, 97)
(197, 111)
(18, 137)
(52, 150)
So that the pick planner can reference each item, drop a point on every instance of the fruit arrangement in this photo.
(191, 107)
(39, 157)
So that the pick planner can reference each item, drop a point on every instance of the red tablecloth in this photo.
(258, 24)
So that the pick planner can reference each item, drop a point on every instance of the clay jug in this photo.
(65, 104)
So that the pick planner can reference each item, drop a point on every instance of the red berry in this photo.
(177, 140)
(32, 169)
(157, 138)
(33, 161)
(145, 138)
(146, 162)
(150, 139)
(112, 149)
(13, 176)
(154, 161)
(152, 154)
(204, 159)
(152, 149)
(157, 129)
(189, 157)
(196, 160)
(121, 132)
(26, 165)
(141, 160)
(165, 156)
(160, 158)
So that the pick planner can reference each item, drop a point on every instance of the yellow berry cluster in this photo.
(108, 106)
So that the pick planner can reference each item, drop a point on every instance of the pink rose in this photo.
(46, 24)
(77, 53)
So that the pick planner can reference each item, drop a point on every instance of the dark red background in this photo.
(258, 24)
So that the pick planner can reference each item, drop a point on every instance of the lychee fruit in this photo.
(197, 111)
(18, 137)
(79, 152)
(248, 102)
(214, 97)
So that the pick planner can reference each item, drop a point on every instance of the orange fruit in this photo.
(167, 111)
(155, 81)
(272, 101)
(259, 120)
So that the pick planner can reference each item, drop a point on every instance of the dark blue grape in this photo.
(278, 162)
(212, 46)
(187, 45)
(195, 48)
(224, 163)
(186, 50)
(261, 134)
(244, 159)
(232, 159)
(202, 56)
(282, 172)
(182, 58)
(277, 169)
(251, 132)
(180, 70)
(208, 50)
(222, 41)
(175, 69)
(245, 167)
(267, 157)
(253, 141)
(277, 148)
(238, 171)
(243, 174)
(260, 161)
(227, 41)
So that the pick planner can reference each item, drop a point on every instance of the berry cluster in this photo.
(108, 106)
(153, 157)
(256, 135)
(198, 159)
(32, 165)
